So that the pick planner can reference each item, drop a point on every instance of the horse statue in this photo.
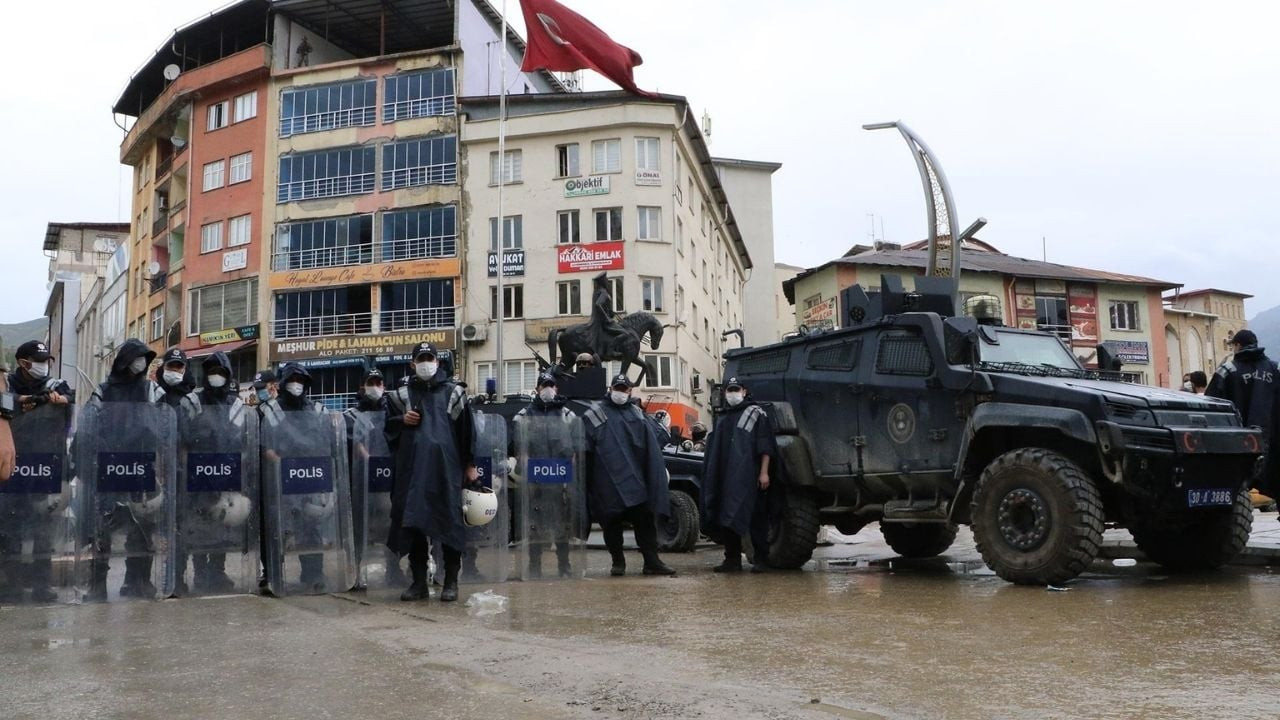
(622, 342)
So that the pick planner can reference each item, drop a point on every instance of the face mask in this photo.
(618, 397)
(373, 393)
(1188, 386)
(733, 398)
(139, 365)
(547, 394)
(264, 394)
(427, 370)
(217, 381)
(172, 377)
(39, 371)
(293, 388)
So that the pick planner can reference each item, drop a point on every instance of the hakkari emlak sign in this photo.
(590, 257)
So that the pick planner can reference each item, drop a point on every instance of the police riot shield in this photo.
(218, 515)
(307, 502)
(372, 474)
(126, 466)
(550, 479)
(486, 558)
(37, 547)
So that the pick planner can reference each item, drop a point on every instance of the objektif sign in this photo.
(579, 187)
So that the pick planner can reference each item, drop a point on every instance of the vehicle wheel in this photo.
(1205, 539)
(918, 540)
(1037, 517)
(679, 532)
(793, 529)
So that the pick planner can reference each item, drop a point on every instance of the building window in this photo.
(615, 291)
(218, 307)
(424, 161)
(567, 160)
(679, 236)
(608, 224)
(326, 107)
(649, 223)
(239, 230)
(606, 156)
(706, 278)
(1124, 315)
(326, 173)
(211, 237)
(512, 233)
(1051, 315)
(214, 175)
(568, 222)
(680, 302)
(513, 302)
(330, 242)
(332, 311)
(417, 305)
(569, 293)
(217, 116)
(418, 94)
(662, 375)
(428, 232)
(241, 168)
(157, 323)
(520, 376)
(512, 167)
(651, 294)
(246, 107)
(706, 333)
(647, 154)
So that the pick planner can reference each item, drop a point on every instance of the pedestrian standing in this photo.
(735, 478)
(1251, 380)
(1199, 382)
(628, 481)
(429, 428)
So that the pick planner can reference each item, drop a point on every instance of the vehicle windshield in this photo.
(1025, 349)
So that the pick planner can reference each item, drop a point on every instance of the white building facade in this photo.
(599, 182)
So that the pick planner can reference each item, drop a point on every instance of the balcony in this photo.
(350, 324)
(417, 319)
(157, 282)
(366, 253)
(160, 224)
(1062, 331)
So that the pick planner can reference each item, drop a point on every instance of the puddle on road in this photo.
(924, 566)
(60, 643)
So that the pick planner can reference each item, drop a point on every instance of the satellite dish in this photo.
(154, 268)
(171, 72)
(178, 142)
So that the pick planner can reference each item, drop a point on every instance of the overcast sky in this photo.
(1132, 137)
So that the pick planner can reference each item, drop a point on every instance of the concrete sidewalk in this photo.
(869, 546)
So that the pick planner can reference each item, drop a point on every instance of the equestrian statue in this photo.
(606, 336)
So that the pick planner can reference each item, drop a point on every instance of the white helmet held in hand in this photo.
(318, 507)
(232, 509)
(479, 507)
(149, 504)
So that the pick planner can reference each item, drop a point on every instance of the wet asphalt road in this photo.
(845, 639)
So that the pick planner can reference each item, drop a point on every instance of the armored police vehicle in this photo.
(922, 420)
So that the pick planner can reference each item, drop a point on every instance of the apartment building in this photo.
(599, 183)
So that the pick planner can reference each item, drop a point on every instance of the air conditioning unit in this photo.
(473, 333)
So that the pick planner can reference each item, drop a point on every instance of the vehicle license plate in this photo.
(1207, 497)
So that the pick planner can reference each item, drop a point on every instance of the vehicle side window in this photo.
(903, 354)
(841, 355)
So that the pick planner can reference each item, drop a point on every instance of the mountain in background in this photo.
(1266, 325)
(14, 334)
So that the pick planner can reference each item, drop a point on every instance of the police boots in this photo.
(312, 572)
(421, 587)
(98, 570)
(137, 578)
(452, 561)
(647, 539)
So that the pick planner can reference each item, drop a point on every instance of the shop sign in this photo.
(540, 330)
(590, 257)
(1129, 351)
(820, 316)
(648, 177)
(236, 334)
(235, 260)
(512, 263)
(363, 274)
(581, 187)
(336, 346)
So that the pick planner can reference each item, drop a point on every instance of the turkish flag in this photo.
(562, 40)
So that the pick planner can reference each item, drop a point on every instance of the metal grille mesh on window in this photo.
(776, 361)
(903, 355)
(838, 356)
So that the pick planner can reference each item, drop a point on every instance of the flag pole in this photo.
(499, 371)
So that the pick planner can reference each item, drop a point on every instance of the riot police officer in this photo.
(174, 378)
(735, 478)
(628, 480)
(31, 381)
(430, 428)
